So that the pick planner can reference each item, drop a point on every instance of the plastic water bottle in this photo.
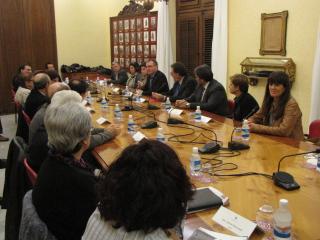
(66, 80)
(160, 135)
(197, 115)
(282, 221)
(167, 104)
(195, 162)
(245, 131)
(117, 113)
(89, 98)
(318, 163)
(104, 105)
(131, 126)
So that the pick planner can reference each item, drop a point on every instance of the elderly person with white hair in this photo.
(64, 194)
(38, 137)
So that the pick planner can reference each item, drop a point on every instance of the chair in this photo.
(231, 105)
(314, 129)
(30, 172)
(31, 226)
(26, 117)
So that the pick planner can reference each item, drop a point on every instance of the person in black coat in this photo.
(210, 95)
(118, 75)
(157, 81)
(64, 194)
(38, 95)
(245, 104)
(183, 87)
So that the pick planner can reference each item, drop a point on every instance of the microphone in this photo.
(253, 111)
(129, 107)
(150, 106)
(236, 145)
(173, 121)
(284, 179)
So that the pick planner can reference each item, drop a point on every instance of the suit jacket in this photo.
(244, 105)
(158, 83)
(289, 125)
(214, 100)
(34, 101)
(122, 77)
(64, 196)
(186, 89)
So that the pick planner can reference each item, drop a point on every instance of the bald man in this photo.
(37, 120)
(38, 95)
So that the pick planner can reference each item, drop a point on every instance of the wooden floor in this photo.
(246, 194)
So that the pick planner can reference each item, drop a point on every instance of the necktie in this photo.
(176, 92)
(203, 93)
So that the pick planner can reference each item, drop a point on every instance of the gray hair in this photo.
(41, 80)
(65, 96)
(67, 125)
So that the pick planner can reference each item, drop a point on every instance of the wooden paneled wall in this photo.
(27, 35)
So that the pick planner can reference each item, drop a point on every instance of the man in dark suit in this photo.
(38, 94)
(118, 75)
(183, 87)
(245, 104)
(210, 95)
(157, 81)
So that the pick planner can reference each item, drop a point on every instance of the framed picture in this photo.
(139, 23)
(153, 50)
(115, 50)
(127, 62)
(116, 60)
(115, 26)
(133, 50)
(120, 37)
(273, 33)
(153, 22)
(146, 36)
(121, 51)
(146, 22)
(127, 50)
(153, 36)
(121, 62)
(120, 25)
(133, 37)
(146, 50)
(133, 60)
(126, 38)
(133, 24)
(139, 60)
(139, 50)
(126, 25)
(139, 37)
(115, 38)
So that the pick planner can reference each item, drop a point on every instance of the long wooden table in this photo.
(246, 194)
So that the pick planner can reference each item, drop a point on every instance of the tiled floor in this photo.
(9, 129)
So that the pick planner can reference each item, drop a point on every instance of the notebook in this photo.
(206, 198)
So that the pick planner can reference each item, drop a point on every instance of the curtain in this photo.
(315, 96)
(164, 48)
(220, 41)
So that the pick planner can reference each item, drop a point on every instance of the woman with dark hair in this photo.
(24, 89)
(134, 75)
(280, 114)
(144, 193)
(144, 76)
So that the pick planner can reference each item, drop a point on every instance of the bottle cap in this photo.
(117, 105)
(198, 107)
(195, 150)
(245, 121)
(283, 203)
(160, 129)
(130, 116)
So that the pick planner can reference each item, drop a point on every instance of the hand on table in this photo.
(181, 103)
(114, 129)
(157, 96)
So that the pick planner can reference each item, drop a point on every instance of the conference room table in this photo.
(246, 194)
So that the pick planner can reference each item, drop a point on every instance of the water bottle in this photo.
(318, 163)
(66, 80)
(245, 131)
(131, 126)
(197, 115)
(104, 106)
(195, 162)
(89, 98)
(167, 104)
(117, 113)
(282, 221)
(160, 135)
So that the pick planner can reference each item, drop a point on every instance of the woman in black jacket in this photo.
(64, 195)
